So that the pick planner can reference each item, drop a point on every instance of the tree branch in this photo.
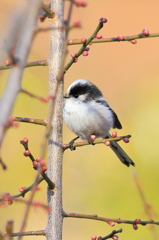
(97, 141)
(26, 189)
(112, 234)
(4, 166)
(50, 13)
(30, 233)
(51, 185)
(29, 64)
(28, 205)
(117, 220)
(114, 39)
(85, 43)
(42, 122)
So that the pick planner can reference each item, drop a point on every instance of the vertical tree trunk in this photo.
(57, 41)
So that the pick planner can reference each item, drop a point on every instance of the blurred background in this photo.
(94, 180)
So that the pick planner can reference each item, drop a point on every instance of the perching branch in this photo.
(97, 141)
(67, 146)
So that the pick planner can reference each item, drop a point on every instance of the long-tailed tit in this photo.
(87, 113)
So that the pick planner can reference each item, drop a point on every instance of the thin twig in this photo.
(114, 39)
(97, 141)
(29, 64)
(42, 99)
(9, 230)
(69, 18)
(89, 40)
(28, 205)
(147, 207)
(26, 189)
(27, 233)
(112, 234)
(30, 233)
(4, 167)
(33, 203)
(36, 121)
(51, 185)
(117, 220)
(149, 211)
(78, 42)
(50, 13)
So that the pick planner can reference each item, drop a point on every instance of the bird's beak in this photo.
(65, 96)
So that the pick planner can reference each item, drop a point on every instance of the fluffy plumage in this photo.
(86, 112)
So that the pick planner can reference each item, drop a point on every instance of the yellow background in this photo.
(94, 180)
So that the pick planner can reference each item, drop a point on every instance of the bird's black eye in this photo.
(76, 96)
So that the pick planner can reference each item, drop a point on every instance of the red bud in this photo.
(120, 37)
(107, 143)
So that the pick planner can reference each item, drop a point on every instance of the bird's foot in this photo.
(91, 139)
(71, 144)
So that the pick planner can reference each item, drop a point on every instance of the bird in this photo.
(87, 113)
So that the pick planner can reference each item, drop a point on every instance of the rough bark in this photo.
(57, 41)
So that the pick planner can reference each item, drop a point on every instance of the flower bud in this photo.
(94, 237)
(93, 137)
(114, 134)
(134, 41)
(120, 37)
(83, 40)
(126, 140)
(115, 237)
(27, 153)
(85, 53)
(107, 143)
(145, 32)
(103, 20)
(135, 227)
(25, 140)
(111, 223)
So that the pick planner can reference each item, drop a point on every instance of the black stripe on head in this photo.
(88, 89)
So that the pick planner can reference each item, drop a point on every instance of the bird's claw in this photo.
(91, 141)
(71, 144)
(72, 148)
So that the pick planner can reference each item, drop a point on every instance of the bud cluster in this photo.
(39, 162)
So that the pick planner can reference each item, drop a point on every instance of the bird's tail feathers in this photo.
(121, 154)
